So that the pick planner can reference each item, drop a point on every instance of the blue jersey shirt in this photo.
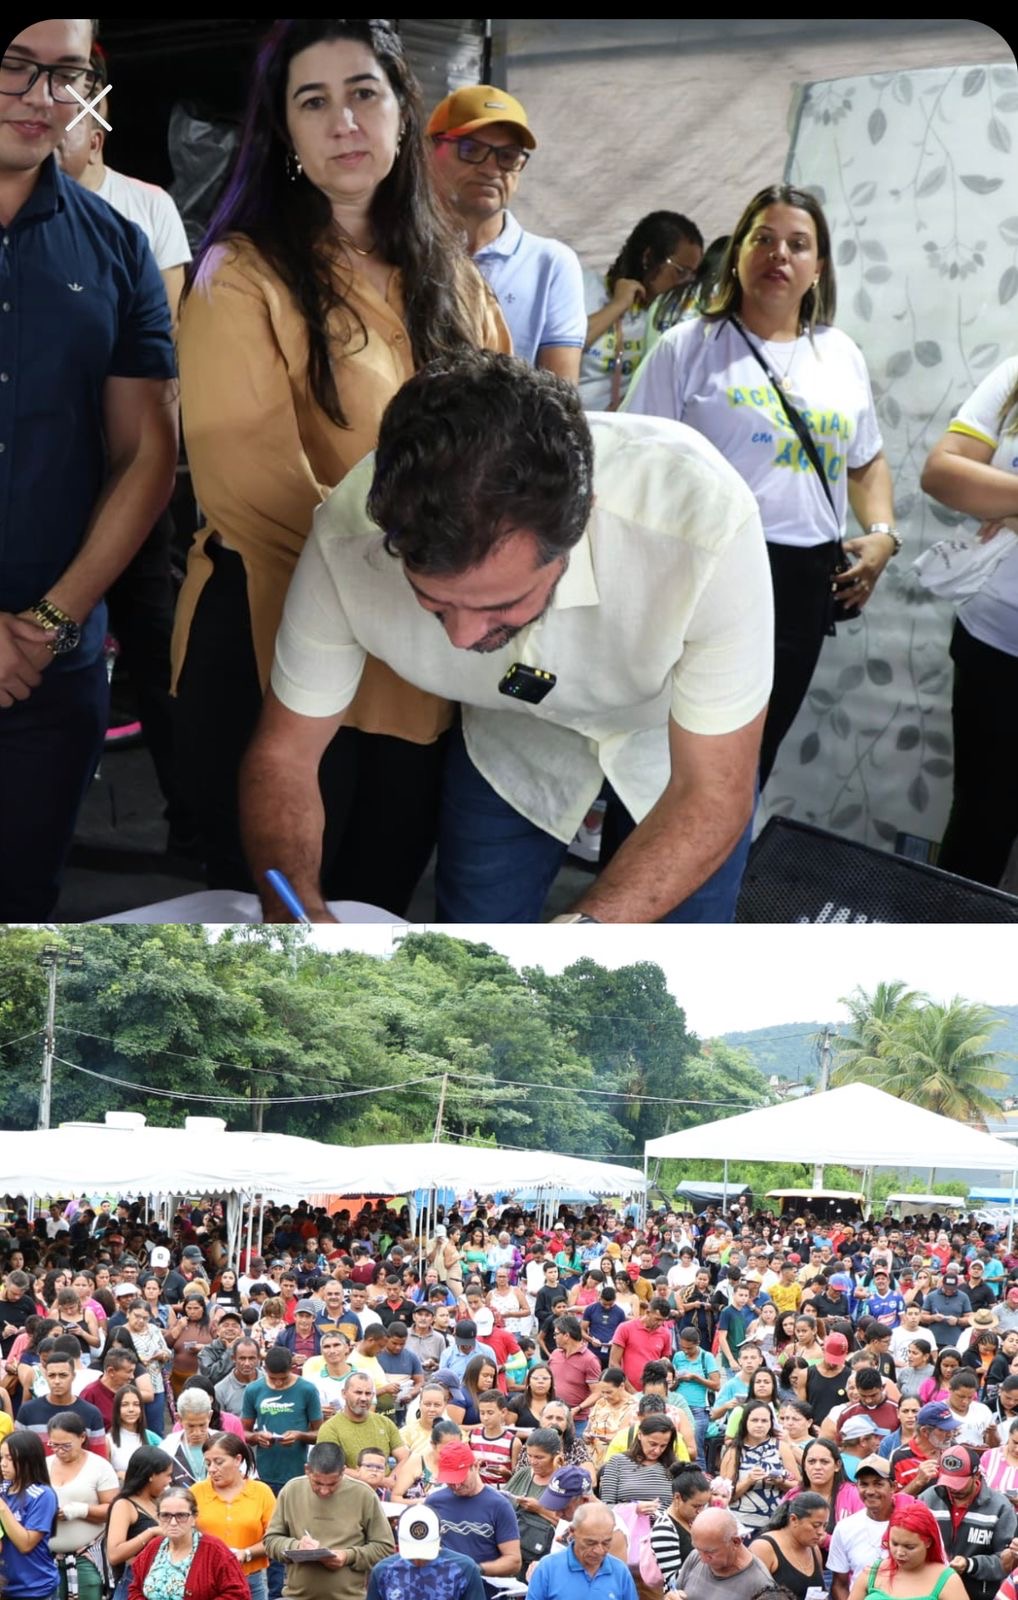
(82, 301)
(33, 1573)
(449, 1576)
(886, 1308)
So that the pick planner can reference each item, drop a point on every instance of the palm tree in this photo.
(875, 1018)
(940, 1060)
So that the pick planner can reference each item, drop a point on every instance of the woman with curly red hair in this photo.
(915, 1567)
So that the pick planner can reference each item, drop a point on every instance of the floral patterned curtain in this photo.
(916, 172)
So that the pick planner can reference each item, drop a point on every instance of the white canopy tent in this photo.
(124, 1157)
(855, 1126)
(399, 1168)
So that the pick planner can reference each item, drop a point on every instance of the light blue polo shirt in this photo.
(561, 1577)
(539, 285)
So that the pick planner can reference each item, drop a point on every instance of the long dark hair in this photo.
(800, 1506)
(690, 297)
(837, 1481)
(291, 223)
(472, 1376)
(650, 244)
(528, 1393)
(141, 1468)
(819, 304)
(116, 1423)
(28, 1458)
(657, 1422)
(739, 1439)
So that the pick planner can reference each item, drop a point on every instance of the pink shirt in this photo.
(638, 1347)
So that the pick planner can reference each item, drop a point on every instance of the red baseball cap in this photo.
(454, 1462)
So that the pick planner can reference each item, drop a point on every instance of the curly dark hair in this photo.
(291, 223)
(650, 244)
(470, 450)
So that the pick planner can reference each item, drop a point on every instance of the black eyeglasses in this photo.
(475, 152)
(17, 76)
(175, 1516)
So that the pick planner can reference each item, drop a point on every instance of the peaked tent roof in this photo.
(80, 1158)
(857, 1126)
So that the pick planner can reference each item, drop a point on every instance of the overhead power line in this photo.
(592, 1155)
(241, 1099)
(515, 1083)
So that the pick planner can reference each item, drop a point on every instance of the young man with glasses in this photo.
(88, 451)
(481, 142)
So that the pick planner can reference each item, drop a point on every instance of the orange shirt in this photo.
(240, 1523)
(263, 455)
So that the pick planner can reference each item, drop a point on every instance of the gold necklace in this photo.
(784, 381)
(346, 240)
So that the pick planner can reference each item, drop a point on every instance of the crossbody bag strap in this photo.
(803, 434)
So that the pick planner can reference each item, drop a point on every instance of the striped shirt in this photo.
(624, 1479)
(493, 1456)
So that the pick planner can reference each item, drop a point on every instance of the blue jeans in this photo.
(701, 1419)
(496, 866)
(258, 1585)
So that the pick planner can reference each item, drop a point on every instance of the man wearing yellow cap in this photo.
(481, 142)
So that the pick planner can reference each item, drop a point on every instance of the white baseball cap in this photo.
(484, 1320)
(419, 1534)
(160, 1257)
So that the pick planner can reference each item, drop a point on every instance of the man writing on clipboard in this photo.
(328, 1530)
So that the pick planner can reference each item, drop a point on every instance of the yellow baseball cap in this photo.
(476, 106)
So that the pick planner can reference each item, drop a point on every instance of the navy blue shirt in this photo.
(602, 1322)
(81, 300)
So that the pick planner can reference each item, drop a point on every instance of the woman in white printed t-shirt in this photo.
(662, 252)
(775, 305)
(974, 469)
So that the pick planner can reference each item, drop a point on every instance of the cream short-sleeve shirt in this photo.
(664, 611)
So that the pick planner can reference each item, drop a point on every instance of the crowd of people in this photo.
(679, 1405)
(630, 612)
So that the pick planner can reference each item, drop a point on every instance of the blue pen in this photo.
(286, 893)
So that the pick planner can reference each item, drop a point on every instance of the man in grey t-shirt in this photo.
(720, 1561)
(246, 1368)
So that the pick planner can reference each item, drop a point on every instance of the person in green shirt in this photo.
(282, 1416)
(358, 1427)
(327, 1510)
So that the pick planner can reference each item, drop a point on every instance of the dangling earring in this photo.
(399, 141)
(293, 167)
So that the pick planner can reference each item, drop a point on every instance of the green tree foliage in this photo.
(261, 1014)
(931, 1055)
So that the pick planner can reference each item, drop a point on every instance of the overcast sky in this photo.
(734, 978)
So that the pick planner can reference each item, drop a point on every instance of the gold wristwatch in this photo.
(64, 634)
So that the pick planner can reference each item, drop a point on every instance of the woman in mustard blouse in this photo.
(327, 277)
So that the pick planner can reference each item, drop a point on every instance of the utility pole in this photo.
(441, 1109)
(824, 1084)
(52, 955)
